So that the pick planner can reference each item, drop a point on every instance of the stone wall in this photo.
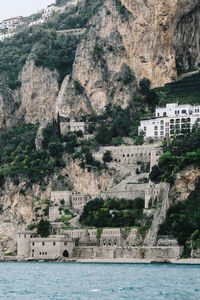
(131, 155)
(128, 252)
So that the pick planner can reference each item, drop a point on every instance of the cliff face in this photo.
(148, 38)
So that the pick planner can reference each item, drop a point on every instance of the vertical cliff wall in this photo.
(124, 42)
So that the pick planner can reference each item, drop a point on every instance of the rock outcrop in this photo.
(124, 42)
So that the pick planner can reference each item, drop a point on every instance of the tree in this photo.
(107, 157)
(144, 86)
(103, 135)
(43, 228)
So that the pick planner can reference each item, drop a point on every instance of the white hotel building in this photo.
(173, 118)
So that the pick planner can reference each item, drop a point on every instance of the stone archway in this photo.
(66, 253)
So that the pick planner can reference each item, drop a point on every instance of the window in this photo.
(164, 114)
(158, 114)
(162, 133)
(156, 133)
(43, 243)
(145, 129)
(177, 120)
(65, 243)
(162, 127)
(161, 122)
(171, 126)
(188, 119)
(183, 120)
(155, 127)
(32, 250)
(183, 111)
(172, 121)
(54, 243)
(33, 244)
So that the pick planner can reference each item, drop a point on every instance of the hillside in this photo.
(75, 81)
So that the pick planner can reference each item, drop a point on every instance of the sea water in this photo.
(86, 281)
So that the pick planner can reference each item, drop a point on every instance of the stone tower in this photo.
(23, 243)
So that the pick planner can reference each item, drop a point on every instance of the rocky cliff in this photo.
(125, 41)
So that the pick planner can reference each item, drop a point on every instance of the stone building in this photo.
(131, 155)
(72, 126)
(52, 247)
(58, 196)
(68, 199)
(111, 237)
(78, 201)
(90, 243)
(173, 118)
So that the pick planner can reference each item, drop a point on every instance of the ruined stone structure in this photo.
(131, 155)
(78, 201)
(151, 195)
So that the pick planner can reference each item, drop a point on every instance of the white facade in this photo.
(37, 22)
(172, 119)
(6, 36)
(49, 11)
(10, 23)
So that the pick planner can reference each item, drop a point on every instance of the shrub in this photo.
(43, 228)
(107, 157)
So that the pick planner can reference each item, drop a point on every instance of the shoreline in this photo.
(187, 261)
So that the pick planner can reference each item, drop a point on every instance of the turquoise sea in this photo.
(82, 281)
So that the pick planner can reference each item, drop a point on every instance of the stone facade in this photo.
(151, 196)
(131, 155)
(68, 199)
(57, 196)
(78, 201)
(72, 126)
(86, 243)
(51, 247)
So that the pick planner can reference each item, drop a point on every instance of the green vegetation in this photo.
(43, 46)
(182, 151)
(20, 158)
(185, 91)
(107, 157)
(183, 219)
(113, 213)
(114, 124)
(43, 228)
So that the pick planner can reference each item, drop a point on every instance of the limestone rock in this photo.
(185, 183)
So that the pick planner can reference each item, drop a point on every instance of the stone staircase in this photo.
(159, 217)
